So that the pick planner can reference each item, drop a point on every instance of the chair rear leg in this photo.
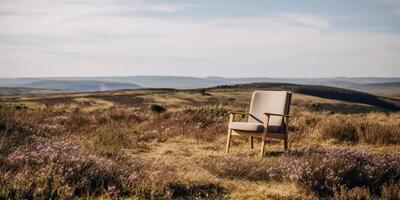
(262, 147)
(228, 142)
(286, 143)
(251, 142)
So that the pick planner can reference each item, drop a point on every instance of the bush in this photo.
(157, 108)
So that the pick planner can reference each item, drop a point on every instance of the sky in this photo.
(229, 38)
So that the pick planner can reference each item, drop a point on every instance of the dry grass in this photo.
(178, 153)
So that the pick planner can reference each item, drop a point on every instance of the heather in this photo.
(323, 171)
(57, 169)
(117, 146)
(327, 171)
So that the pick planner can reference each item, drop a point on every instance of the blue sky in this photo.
(285, 38)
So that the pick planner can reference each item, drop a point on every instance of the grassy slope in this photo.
(130, 97)
(18, 91)
(380, 88)
(326, 92)
(125, 108)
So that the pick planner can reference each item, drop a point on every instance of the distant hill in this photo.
(14, 91)
(183, 82)
(80, 86)
(133, 97)
(326, 92)
(379, 88)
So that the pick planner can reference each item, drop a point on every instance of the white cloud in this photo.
(93, 38)
(306, 20)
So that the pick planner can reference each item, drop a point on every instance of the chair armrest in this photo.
(238, 113)
(275, 114)
(233, 113)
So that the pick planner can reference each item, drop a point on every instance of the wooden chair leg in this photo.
(286, 143)
(228, 142)
(251, 142)
(262, 147)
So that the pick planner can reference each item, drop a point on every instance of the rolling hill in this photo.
(199, 96)
(326, 92)
(365, 84)
(380, 88)
(14, 91)
(81, 86)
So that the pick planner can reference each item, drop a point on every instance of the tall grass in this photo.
(344, 128)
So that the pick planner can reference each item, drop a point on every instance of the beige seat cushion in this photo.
(246, 126)
(253, 127)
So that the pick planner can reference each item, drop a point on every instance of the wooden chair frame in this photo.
(262, 135)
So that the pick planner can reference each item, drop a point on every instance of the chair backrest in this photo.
(272, 102)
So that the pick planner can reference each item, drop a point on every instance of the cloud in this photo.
(306, 20)
(98, 38)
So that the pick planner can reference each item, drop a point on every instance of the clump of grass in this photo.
(343, 193)
(234, 167)
(213, 111)
(375, 133)
(191, 123)
(391, 191)
(340, 129)
(348, 130)
(157, 108)
(113, 138)
(198, 190)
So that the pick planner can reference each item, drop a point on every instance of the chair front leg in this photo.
(262, 146)
(228, 142)
(251, 142)
(286, 121)
(264, 135)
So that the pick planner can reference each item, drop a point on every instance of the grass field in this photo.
(118, 144)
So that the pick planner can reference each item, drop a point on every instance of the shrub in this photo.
(157, 108)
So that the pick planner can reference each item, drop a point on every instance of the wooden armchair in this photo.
(268, 118)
